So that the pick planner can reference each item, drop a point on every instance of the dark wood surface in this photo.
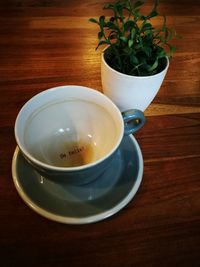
(49, 43)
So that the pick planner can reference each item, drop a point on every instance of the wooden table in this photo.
(50, 43)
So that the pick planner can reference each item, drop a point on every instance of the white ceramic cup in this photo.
(70, 133)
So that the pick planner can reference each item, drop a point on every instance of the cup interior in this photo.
(68, 127)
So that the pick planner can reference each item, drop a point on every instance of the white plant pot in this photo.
(130, 92)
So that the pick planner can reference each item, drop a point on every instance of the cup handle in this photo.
(134, 119)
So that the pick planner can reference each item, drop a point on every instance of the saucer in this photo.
(83, 204)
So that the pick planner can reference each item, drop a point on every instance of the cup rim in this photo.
(50, 167)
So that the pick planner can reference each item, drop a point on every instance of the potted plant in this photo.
(136, 57)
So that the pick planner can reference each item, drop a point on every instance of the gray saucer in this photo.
(82, 204)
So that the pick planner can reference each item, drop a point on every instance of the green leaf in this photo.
(153, 13)
(164, 23)
(126, 51)
(134, 59)
(129, 25)
(102, 21)
(108, 6)
(133, 33)
(162, 53)
(154, 66)
(130, 43)
(145, 27)
(111, 25)
(148, 37)
(138, 5)
(123, 38)
(172, 49)
(147, 50)
(119, 8)
(137, 16)
(100, 35)
(93, 20)
(170, 35)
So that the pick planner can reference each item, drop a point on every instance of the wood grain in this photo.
(50, 43)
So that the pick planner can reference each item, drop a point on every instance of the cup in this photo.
(70, 133)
